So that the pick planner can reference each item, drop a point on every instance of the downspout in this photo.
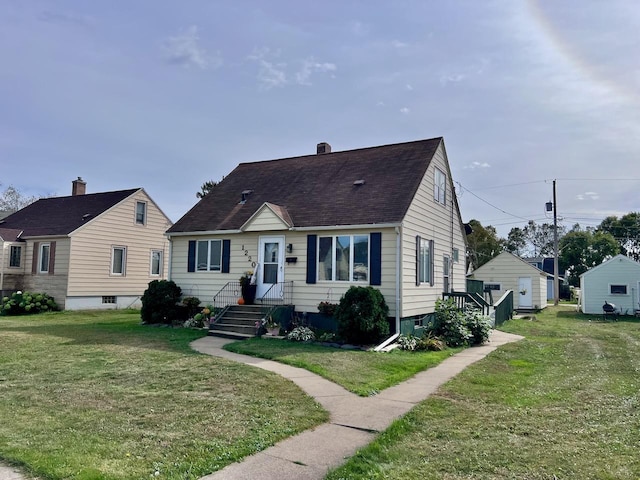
(453, 192)
(398, 273)
(2, 269)
(170, 258)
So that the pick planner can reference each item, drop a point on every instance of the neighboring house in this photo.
(383, 216)
(88, 251)
(615, 281)
(509, 272)
(546, 265)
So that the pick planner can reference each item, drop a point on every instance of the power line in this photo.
(462, 188)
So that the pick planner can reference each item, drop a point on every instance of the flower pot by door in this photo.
(273, 331)
(249, 294)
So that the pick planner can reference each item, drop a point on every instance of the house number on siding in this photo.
(246, 254)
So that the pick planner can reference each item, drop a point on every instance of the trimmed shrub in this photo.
(192, 304)
(160, 303)
(458, 328)
(362, 316)
(23, 303)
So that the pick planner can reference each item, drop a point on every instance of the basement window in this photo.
(109, 299)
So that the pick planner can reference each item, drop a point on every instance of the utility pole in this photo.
(556, 283)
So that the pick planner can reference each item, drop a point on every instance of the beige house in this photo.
(509, 272)
(312, 226)
(88, 251)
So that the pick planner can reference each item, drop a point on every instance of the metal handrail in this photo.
(280, 293)
(227, 295)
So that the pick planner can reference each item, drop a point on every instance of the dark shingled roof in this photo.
(61, 215)
(319, 190)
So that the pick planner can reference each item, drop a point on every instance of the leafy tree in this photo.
(626, 231)
(516, 241)
(483, 244)
(581, 250)
(11, 200)
(206, 188)
(540, 238)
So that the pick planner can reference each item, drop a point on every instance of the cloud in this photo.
(310, 66)
(405, 110)
(399, 44)
(380, 103)
(451, 78)
(271, 73)
(588, 196)
(67, 18)
(474, 165)
(409, 87)
(184, 50)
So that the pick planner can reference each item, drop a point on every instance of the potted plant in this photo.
(248, 287)
(272, 327)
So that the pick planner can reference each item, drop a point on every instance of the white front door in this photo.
(525, 295)
(270, 264)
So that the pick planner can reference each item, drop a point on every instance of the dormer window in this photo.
(141, 213)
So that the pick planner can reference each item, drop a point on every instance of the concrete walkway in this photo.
(354, 421)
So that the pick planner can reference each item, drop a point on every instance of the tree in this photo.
(626, 231)
(206, 188)
(483, 244)
(12, 200)
(581, 250)
(540, 238)
(516, 241)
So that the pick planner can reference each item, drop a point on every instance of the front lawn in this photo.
(562, 404)
(99, 396)
(363, 373)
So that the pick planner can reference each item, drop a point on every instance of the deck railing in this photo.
(504, 308)
(463, 299)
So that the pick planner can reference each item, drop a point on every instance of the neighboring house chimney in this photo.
(78, 187)
(323, 147)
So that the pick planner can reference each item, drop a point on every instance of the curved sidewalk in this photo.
(354, 421)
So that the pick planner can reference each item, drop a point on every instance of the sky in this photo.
(167, 95)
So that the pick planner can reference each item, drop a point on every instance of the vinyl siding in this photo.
(306, 297)
(506, 269)
(595, 285)
(265, 220)
(442, 224)
(91, 250)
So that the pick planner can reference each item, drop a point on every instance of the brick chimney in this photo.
(323, 147)
(78, 187)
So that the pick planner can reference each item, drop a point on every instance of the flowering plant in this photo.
(246, 278)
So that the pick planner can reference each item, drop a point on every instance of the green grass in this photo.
(363, 373)
(99, 396)
(563, 403)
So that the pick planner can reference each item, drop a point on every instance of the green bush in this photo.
(192, 304)
(22, 303)
(362, 316)
(301, 334)
(457, 327)
(160, 303)
(418, 343)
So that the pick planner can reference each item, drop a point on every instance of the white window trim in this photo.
(160, 267)
(437, 189)
(124, 260)
(351, 253)
(208, 269)
(447, 265)
(144, 218)
(626, 286)
(11, 247)
(40, 254)
(427, 269)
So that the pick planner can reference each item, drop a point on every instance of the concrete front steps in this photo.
(238, 322)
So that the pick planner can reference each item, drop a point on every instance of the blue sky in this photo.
(166, 95)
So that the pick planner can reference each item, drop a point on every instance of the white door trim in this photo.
(525, 300)
(278, 265)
